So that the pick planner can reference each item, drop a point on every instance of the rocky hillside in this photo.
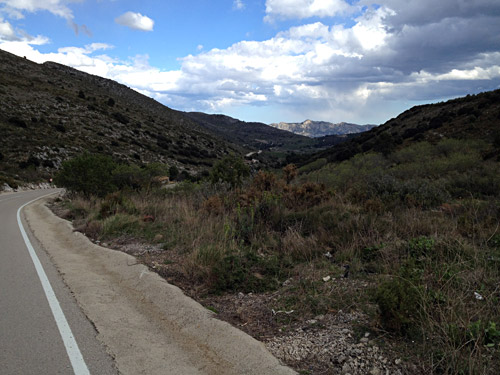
(321, 128)
(50, 112)
(254, 135)
(276, 147)
(470, 117)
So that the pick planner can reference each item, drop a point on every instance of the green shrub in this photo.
(120, 224)
(231, 170)
(173, 172)
(9, 181)
(401, 300)
(245, 270)
(128, 177)
(88, 174)
(114, 203)
(421, 246)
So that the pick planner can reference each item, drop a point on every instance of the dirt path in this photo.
(148, 325)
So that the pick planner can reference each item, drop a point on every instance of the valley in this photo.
(356, 253)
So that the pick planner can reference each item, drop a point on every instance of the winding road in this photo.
(42, 329)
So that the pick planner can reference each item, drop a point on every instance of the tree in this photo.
(290, 172)
(231, 170)
(88, 174)
(173, 172)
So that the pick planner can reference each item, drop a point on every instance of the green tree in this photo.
(88, 174)
(173, 172)
(230, 169)
(128, 177)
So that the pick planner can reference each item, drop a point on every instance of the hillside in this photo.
(470, 117)
(50, 112)
(250, 134)
(315, 129)
(260, 136)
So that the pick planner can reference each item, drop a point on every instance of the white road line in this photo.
(74, 354)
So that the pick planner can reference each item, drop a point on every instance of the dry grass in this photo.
(416, 265)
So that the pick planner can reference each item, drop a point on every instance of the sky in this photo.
(360, 61)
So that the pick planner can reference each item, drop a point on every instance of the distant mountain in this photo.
(50, 112)
(256, 135)
(253, 135)
(315, 129)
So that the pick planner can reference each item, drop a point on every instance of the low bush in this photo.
(88, 174)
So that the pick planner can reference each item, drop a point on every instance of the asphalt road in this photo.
(42, 328)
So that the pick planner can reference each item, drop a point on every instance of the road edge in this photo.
(166, 309)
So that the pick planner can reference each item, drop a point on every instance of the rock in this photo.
(397, 361)
(7, 188)
(326, 278)
(346, 368)
(375, 371)
(364, 340)
(312, 321)
(478, 296)
(158, 237)
(341, 359)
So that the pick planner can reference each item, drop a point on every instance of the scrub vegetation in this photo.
(417, 228)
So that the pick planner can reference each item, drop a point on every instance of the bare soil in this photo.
(341, 341)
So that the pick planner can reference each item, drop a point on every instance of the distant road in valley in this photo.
(32, 339)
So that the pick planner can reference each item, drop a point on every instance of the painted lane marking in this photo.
(74, 354)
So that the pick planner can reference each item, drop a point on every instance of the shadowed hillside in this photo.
(260, 136)
(470, 117)
(50, 112)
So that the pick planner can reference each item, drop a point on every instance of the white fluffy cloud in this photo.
(299, 9)
(7, 31)
(58, 7)
(135, 21)
(338, 72)
(15, 9)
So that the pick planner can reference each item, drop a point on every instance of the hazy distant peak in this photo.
(312, 128)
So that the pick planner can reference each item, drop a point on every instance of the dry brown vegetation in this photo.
(414, 236)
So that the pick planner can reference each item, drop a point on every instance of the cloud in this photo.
(15, 10)
(362, 71)
(238, 5)
(300, 9)
(57, 7)
(7, 31)
(135, 21)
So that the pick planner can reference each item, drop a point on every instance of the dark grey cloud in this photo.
(422, 12)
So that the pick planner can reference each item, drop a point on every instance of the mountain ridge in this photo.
(316, 129)
(260, 136)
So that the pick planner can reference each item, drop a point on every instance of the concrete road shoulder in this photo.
(147, 324)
